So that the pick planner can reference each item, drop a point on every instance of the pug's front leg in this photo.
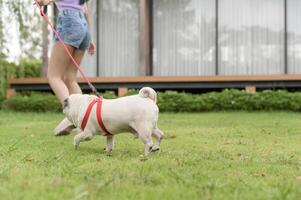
(110, 143)
(86, 135)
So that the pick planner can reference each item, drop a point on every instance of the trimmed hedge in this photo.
(228, 100)
(33, 102)
(1, 101)
(7, 71)
(38, 102)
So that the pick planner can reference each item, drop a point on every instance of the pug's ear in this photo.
(66, 104)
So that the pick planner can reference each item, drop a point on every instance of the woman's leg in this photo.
(70, 84)
(58, 64)
(70, 75)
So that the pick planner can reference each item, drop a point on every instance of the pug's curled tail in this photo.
(148, 92)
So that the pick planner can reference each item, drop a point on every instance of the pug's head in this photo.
(71, 106)
(76, 103)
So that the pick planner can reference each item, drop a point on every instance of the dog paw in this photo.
(155, 148)
(143, 158)
(75, 144)
(109, 153)
(107, 149)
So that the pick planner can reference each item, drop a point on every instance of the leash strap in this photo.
(97, 101)
(99, 118)
(65, 48)
(87, 114)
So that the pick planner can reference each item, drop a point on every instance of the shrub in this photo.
(230, 100)
(8, 70)
(30, 68)
(33, 102)
(132, 92)
(1, 101)
(109, 95)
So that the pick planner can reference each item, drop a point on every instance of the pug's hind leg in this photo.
(146, 137)
(159, 135)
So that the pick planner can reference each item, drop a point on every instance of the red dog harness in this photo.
(98, 115)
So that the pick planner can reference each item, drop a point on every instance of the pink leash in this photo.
(66, 49)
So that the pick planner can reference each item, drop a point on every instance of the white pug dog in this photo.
(137, 114)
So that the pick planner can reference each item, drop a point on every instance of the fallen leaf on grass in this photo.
(173, 136)
(57, 181)
(29, 159)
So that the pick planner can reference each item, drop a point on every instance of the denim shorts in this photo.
(73, 29)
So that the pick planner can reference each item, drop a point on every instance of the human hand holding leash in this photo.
(45, 2)
(92, 48)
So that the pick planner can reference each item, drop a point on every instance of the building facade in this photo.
(195, 37)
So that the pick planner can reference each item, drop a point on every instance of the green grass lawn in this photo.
(232, 155)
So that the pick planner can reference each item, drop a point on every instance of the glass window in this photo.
(183, 37)
(251, 37)
(294, 36)
(89, 62)
(118, 49)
